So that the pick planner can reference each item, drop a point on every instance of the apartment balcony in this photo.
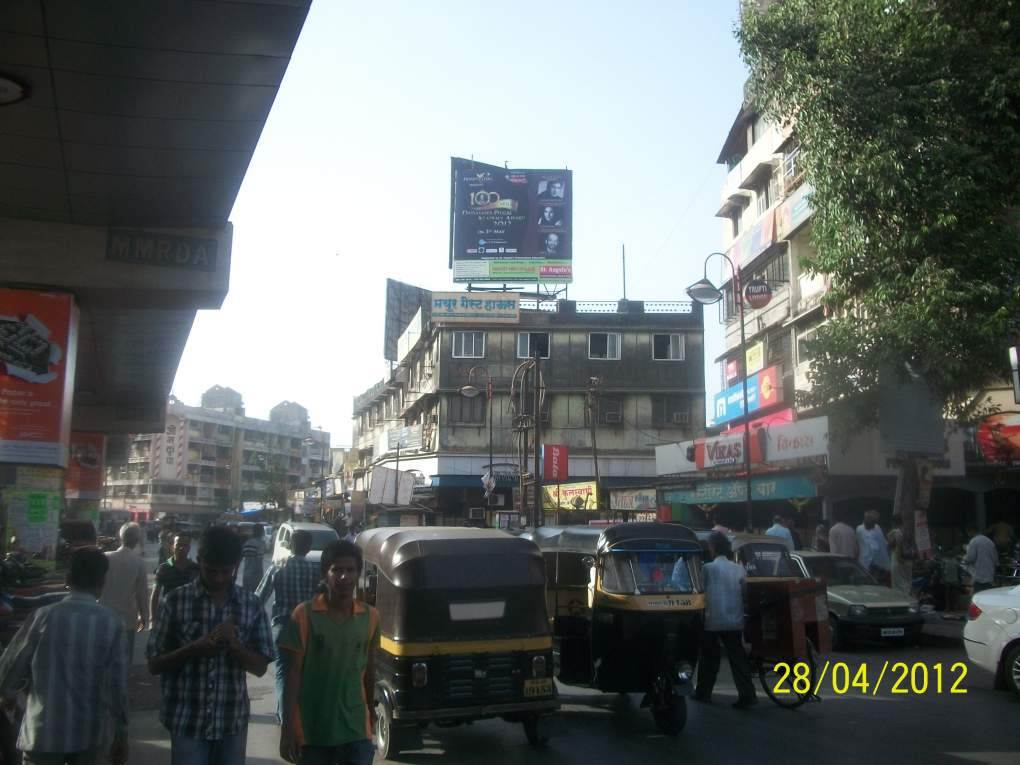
(764, 155)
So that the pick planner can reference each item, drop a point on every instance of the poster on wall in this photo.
(33, 517)
(84, 476)
(38, 341)
(508, 224)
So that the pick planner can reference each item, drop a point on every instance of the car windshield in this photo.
(643, 573)
(835, 571)
(322, 538)
(766, 560)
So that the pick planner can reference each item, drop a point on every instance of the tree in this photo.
(275, 483)
(907, 114)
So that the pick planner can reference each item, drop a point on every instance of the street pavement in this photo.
(854, 728)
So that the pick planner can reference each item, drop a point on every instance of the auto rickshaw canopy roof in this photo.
(391, 549)
(590, 540)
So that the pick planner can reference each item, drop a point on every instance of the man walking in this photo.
(778, 529)
(206, 636)
(72, 656)
(175, 572)
(290, 585)
(328, 713)
(843, 539)
(725, 592)
(981, 559)
(126, 589)
(873, 549)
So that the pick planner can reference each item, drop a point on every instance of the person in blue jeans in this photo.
(207, 635)
(290, 584)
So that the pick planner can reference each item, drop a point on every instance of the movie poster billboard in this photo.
(38, 341)
(510, 225)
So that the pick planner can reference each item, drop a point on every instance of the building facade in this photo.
(211, 460)
(628, 375)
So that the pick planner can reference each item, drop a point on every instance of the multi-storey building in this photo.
(647, 359)
(212, 458)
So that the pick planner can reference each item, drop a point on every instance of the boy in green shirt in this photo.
(328, 711)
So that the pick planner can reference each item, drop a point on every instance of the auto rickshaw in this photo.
(627, 605)
(464, 631)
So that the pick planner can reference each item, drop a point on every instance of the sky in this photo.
(349, 183)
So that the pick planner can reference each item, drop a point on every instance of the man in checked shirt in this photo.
(291, 584)
(206, 636)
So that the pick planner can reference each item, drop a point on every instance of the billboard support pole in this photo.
(396, 483)
(539, 500)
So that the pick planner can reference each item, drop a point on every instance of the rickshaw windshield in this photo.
(645, 573)
(766, 560)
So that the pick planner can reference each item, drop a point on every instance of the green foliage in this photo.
(908, 113)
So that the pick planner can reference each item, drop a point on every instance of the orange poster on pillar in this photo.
(38, 341)
(84, 476)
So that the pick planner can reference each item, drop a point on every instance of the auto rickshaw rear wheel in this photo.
(670, 715)
(536, 730)
(390, 739)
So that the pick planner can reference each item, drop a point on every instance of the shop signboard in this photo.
(796, 440)
(476, 307)
(763, 390)
(581, 495)
(508, 224)
(755, 358)
(555, 461)
(84, 476)
(38, 342)
(766, 487)
(633, 500)
(407, 437)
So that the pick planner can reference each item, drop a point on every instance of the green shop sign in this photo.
(763, 487)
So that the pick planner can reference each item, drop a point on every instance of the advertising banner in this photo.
(555, 458)
(570, 496)
(510, 224)
(476, 308)
(789, 486)
(794, 211)
(633, 500)
(38, 341)
(763, 390)
(84, 476)
(755, 358)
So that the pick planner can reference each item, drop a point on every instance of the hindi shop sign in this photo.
(476, 308)
(510, 224)
(762, 488)
(633, 500)
(763, 390)
(38, 345)
(570, 496)
(796, 440)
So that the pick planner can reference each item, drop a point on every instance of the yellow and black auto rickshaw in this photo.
(464, 631)
(627, 605)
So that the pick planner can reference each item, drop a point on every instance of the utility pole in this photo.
(539, 520)
(593, 420)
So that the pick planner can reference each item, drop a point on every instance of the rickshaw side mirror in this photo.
(588, 562)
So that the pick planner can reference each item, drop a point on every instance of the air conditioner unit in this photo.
(681, 418)
(476, 514)
(613, 418)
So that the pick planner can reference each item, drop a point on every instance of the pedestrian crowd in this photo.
(70, 660)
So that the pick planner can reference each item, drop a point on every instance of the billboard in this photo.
(764, 389)
(38, 340)
(508, 225)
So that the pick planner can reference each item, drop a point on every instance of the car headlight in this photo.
(857, 611)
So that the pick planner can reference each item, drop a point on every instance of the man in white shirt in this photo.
(981, 559)
(125, 591)
(778, 529)
(725, 593)
(873, 549)
(843, 539)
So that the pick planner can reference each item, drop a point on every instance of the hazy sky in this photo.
(349, 184)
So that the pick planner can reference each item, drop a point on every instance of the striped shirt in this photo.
(73, 657)
(291, 584)
(207, 698)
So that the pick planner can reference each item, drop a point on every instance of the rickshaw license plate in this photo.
(892, 632)
(539, 687)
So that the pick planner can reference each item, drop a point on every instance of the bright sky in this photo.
(349, 184)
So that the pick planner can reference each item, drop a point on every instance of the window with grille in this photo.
(609, 411)
(468, 411)
(604, 345)
(775, 271)
(779, 349)
(668, 347)
(671, 411)
(469, 345)
(529, 342)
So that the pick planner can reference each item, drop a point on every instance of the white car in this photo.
(322, 535)
(992, 634)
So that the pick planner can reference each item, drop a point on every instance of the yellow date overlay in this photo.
(898, 678)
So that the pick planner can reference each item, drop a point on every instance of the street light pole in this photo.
(470, 391)
(706, 293)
